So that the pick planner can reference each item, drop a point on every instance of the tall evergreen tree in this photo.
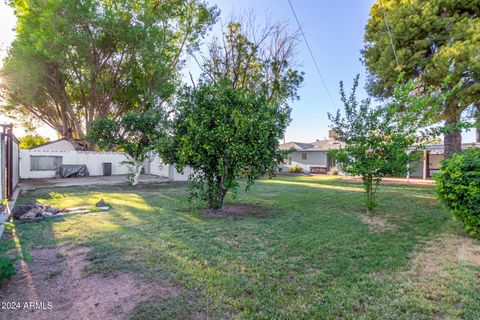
(434, 40)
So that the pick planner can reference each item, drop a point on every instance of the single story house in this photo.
(312, 157)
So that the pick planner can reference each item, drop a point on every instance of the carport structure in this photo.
(430, 161)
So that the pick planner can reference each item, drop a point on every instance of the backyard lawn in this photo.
(308, 251)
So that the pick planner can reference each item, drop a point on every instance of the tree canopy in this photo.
(29, 141)
(75, 61)
(136, 134)
(433, 40)
(225, 133)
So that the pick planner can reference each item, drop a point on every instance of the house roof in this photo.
(55, 141)
(330, 144)
(318, 145)
(440, 148)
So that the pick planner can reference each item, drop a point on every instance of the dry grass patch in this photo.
(439, 270)
(439, 254)
(56, 276)
(470, 253)
(376, 223)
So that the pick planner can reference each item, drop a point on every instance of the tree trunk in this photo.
(136, 175)
(216, 201)
(477, 122)
(134, 170)
(368, 186)
(452, 138)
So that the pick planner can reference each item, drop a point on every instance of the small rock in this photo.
(30, 211)
(101, 203)
(52, 210)
(20, 210)
(31, 214)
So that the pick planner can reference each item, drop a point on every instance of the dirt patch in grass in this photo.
(437, 276)
(237, 211)
(376, 223)
(55, 281)
(469, 252)
(439, 254)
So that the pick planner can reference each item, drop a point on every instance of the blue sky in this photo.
(334, 30)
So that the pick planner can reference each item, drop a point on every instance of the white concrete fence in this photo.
(94, 162)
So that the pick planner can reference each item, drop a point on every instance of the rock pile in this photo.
(30, 211)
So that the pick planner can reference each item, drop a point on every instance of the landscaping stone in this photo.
(101, 203)
(30, 211)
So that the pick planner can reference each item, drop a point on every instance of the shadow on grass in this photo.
(311, 245)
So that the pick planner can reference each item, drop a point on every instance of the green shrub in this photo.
(7, 268)
(458, 188)
(295, 169)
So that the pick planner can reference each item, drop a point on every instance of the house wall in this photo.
(177, 176)
(157, 168)
(93, 160)
(434, 165)
(63, 145)
(314, 159)
(417, 167)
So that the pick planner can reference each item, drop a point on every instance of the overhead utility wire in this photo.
(389, 34)
(311, 53)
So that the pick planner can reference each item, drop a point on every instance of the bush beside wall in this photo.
(295, 169)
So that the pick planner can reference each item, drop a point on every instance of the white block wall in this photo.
(157, 168)
(314, 159)
(93, 161)
(177, 176)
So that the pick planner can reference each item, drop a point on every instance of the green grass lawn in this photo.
(311, 257)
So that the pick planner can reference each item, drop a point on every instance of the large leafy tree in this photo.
(225, 133)
(379, 141)
(433, 40)
(75, 61)
(136, 134)
(229, 124)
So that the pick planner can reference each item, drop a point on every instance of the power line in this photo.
(311, 53)
(389, 34)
